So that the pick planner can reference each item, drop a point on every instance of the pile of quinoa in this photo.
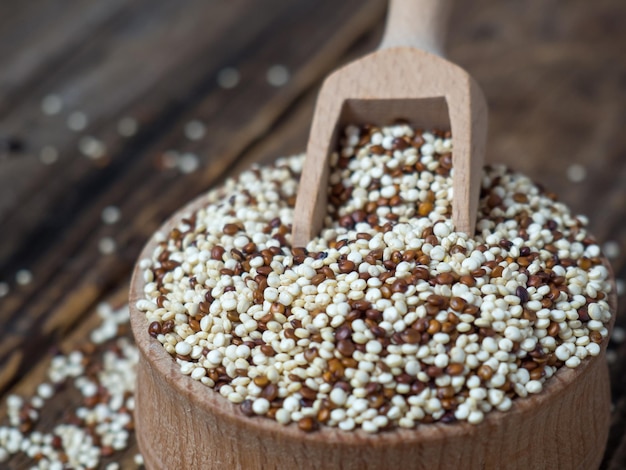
(80, 415)
(390, 318)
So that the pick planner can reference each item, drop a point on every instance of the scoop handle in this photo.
(417, 23)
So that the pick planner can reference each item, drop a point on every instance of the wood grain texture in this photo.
(565, 426)
(75, 190)
(400, 82)
(552, 71)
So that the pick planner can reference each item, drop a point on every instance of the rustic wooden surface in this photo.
(553, 73)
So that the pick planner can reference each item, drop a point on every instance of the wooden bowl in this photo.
(183, 424)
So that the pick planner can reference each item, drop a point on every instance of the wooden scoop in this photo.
(406, 78)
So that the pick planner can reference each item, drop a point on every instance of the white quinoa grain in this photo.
(618, 336)
(127, 126)
(611, 249)
(91, 147)
(23, 277)
(45, 391)
(195, 130)
(277, 75)
(188, 163)
(475, 417)
(534, 386)
(51, 104)
(576, 173)
(260, 406)
(77, 121)
(110, 215)
(183, 348)
(228, 78)
(338, 396)
(48, 155)
(107, 245)
(347, 425)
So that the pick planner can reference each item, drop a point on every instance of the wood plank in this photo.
(32, 47)
(175, 38)
(146, 194)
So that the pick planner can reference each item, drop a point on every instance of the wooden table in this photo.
(553, 72)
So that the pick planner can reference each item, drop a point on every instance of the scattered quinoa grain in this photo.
(277, 75)
(188, 163)
(23, 277)
(90, 429)
(618, 336)
(91, 147)
(195, 130)
(48, 155)
(77, 121)
(111, 215)
(611, 249)
(107, 245)
(127, 126)
(576, 173)
(51, 104)
(228, 78)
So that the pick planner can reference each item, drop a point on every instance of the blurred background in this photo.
(114, 114)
